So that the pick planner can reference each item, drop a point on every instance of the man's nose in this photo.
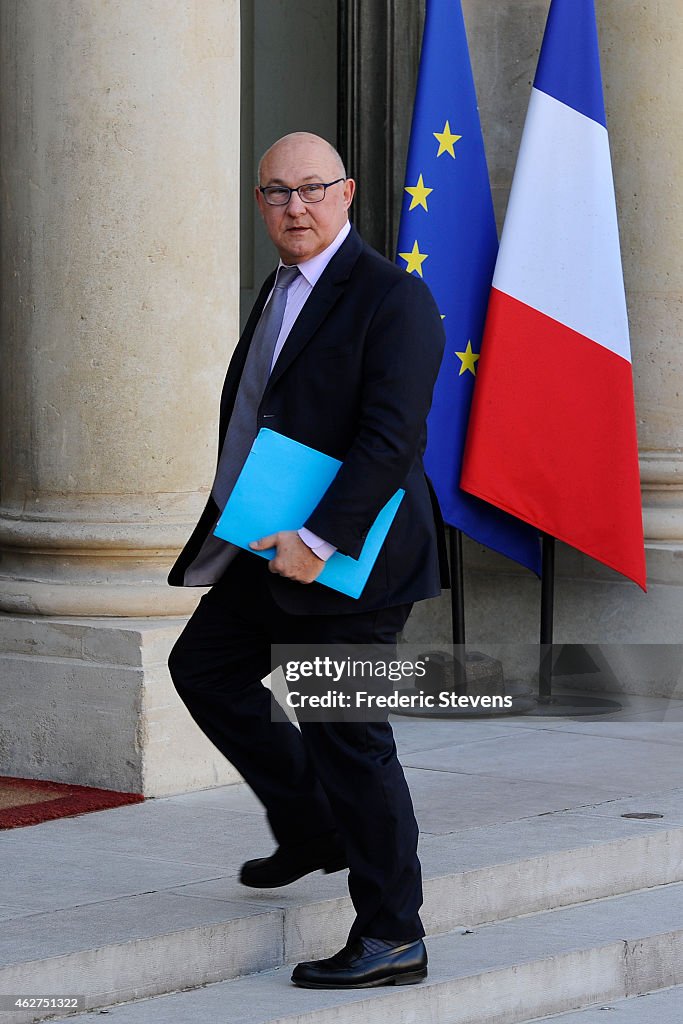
(296, 205)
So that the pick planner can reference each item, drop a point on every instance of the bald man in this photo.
(340, 353)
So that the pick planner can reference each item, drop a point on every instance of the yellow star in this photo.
(414, 259)
(443, 316)
(446, 140)
(419, 194)
(468, 359)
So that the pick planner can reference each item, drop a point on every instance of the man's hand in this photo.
(293, 559)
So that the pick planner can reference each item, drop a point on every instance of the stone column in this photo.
(120, 178)
(641, 46)
(120, 243)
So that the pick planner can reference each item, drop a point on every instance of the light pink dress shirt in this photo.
(297, 293)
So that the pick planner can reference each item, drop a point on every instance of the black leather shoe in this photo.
(366, 963)
(288, 863)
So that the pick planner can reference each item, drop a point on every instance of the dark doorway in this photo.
(346, 70)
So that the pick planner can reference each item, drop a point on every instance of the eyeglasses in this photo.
(279, 195)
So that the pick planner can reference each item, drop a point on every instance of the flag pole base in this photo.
(460, 674)
(524, 703)
(523, 700)
(573, 705)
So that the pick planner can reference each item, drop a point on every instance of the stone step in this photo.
(206, 931)
(504, 973)
(664, 1007)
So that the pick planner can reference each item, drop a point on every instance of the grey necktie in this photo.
(242, 428)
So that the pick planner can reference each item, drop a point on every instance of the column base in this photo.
(90, 701)
(66, 560)
(50, 597)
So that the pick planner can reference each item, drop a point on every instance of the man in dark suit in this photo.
(340, 352)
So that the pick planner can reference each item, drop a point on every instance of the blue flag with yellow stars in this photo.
(447, 236)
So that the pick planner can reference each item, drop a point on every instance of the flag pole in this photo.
(564, 705)
(545, 668)
(447, 232)
(457, 609)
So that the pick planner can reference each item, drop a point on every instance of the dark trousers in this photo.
(330, 775)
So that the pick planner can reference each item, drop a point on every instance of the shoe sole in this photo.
(409, 978)
(327, 869)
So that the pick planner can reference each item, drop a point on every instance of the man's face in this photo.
(300, 230)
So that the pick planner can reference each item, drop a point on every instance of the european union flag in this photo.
(448, 236)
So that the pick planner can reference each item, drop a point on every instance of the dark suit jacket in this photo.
(354, 379)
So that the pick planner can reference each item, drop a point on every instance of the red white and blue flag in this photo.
(552, 430)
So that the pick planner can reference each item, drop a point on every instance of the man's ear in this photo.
(349, 191)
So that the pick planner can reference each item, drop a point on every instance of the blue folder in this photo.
(281, 483)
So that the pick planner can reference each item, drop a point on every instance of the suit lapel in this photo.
(319, 303)
(326, 292)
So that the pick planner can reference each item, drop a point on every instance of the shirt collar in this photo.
(312, 269)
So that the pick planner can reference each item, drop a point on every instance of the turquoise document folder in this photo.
(281, 483)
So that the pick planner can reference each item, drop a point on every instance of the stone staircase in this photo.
(500, 973)
(529, 913)
(497, 952)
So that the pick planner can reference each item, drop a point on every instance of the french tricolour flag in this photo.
(552, 432)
